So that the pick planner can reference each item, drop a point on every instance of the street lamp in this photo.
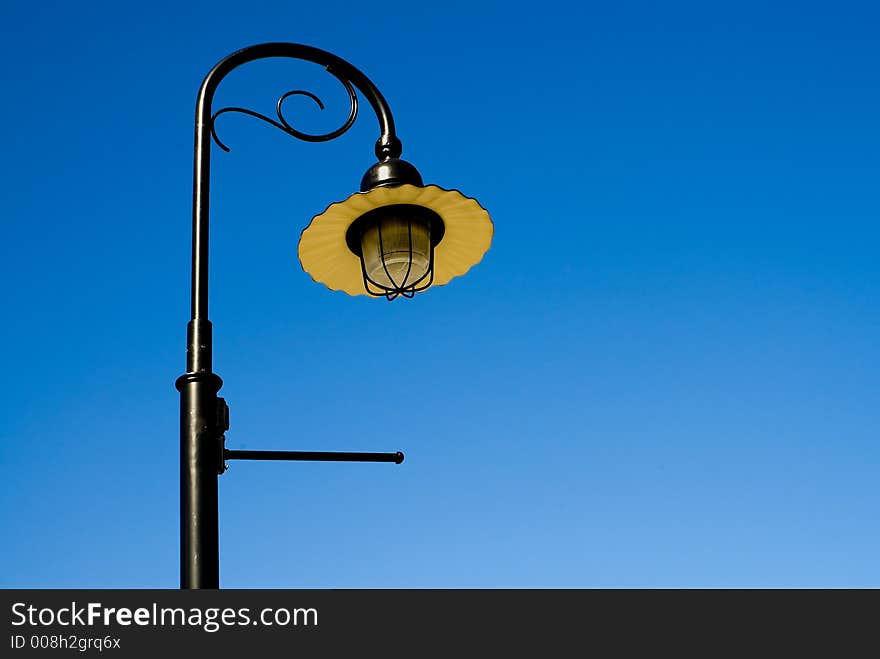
(394, 238)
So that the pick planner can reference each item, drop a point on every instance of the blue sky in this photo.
(663, 374)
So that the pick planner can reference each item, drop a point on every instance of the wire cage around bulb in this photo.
(395, 246)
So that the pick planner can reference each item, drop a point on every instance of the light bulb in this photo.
(396, 252)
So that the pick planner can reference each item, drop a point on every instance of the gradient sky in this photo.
(663, 374)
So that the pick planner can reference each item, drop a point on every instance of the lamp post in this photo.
(394, 238)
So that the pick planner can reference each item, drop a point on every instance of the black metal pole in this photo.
(199, 447)
(200, 434)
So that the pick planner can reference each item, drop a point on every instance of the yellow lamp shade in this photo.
(325, 255)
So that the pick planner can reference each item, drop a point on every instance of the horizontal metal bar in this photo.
(318, 456)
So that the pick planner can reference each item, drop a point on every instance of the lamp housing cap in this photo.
(391, 172)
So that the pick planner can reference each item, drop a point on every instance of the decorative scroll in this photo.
(282, 124)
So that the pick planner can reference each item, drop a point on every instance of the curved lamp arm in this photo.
(387, 146)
